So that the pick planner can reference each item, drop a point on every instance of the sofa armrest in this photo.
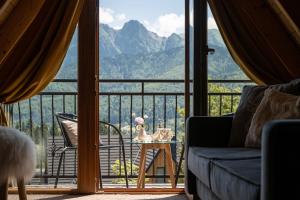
(205, 132)
(208, 131)
(280, 152)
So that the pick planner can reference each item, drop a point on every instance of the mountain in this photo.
(174, 41)
(135, 39)
(143, 66)
(133, 52)
(108, 48)
(214, 38)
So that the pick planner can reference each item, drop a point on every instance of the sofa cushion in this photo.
(236, 179)
(250, 99)
(199, 159)
(205, 192)
(274, 105)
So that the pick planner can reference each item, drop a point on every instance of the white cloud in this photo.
(121, 17)
(118, 27)
(211, 23)
(166, 24)
(149, 26)
(109, 16)
(106, 15)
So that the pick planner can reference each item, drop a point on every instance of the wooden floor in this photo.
(111, 186)
(103, 197)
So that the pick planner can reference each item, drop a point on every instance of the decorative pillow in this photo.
(274, 105)
(72, 131)
(250, 99)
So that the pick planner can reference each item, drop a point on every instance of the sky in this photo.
(163, 17)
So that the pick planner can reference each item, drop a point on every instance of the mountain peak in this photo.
(134, 38)
(175, 35)
(174, 41)
(134, 24)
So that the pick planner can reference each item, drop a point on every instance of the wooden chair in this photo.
(70, 143)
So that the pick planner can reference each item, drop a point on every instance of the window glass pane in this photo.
(141, 74)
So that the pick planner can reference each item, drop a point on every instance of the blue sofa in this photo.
(215, 171)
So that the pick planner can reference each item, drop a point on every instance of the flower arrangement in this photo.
(140, 127)
(140, 122)
(160, 135)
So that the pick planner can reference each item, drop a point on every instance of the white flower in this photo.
(139, 121)
(146, 117)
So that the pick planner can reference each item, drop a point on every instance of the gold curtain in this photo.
(3, 120)
(34, 40)
(258, 39)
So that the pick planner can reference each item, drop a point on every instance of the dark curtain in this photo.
(261, 41)
(34, 38)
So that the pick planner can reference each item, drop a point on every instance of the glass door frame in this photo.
(200, 52)
(88, 98)
(88, 87)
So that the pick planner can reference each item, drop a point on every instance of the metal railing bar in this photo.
(120, 125)
(153, 81)
(165, 111)
(220, 104)
(42, 132)
(231, 103)
(137, 93)
(30, 117)
(108, 100)
(131, 134)
(20, 118)
(143, 91)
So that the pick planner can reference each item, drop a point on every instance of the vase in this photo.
(142, 135)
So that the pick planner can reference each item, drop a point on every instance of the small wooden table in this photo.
(169, 162)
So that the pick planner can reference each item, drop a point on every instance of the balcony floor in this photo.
(103, 196)
(109, 186)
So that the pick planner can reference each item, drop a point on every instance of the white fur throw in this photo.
(17, 154)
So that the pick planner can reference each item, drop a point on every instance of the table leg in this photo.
(170, 166)
(179, 164)
(144, 167)
(141, 176)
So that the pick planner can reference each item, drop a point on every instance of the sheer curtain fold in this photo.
(258, 40)
(34, 38)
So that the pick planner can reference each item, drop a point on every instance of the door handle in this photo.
(209, 50)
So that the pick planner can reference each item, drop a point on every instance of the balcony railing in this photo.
(120, 101)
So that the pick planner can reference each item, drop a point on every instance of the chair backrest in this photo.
(66, 117)
(104, 127)
(108, 129)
